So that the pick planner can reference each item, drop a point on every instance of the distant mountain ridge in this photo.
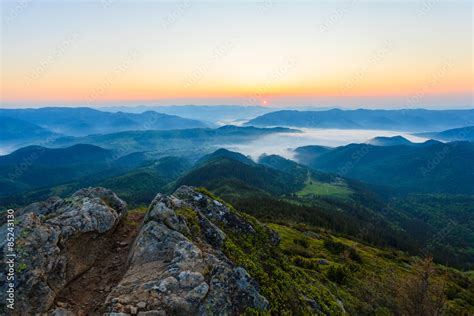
(91, 158)
(206, 113)
(17, 131)
(173, 142)
(389, 141)
(403, 120)
(455, 134)
(36, 166)
(39, 155)
(86, 121)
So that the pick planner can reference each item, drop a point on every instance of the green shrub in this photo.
(301, 242)
(306, 263)
(338, 274)
(338, 248)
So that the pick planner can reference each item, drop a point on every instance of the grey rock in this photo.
(43, 207)
(213, 234)
(314, 305)
(312, 234)
(133, 310)
(61, 312)
(341, 305)
(190, 279)
(176, 272)
(323, 262)
(162, 210)
(274, 238)
(198, 293)
(218, 213)
(57, 240)
(152, 313)
(168, 284)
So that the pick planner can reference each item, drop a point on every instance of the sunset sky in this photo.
(343, 53)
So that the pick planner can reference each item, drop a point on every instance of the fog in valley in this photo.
(283, 143)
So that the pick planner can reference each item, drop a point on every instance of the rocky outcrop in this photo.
(56, 241)
(176, 266)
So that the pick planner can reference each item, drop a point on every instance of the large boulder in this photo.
(176, 265)
(56, 241)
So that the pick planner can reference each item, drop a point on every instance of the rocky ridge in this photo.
(175, 266)
(58, 240)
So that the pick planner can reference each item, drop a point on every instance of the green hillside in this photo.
(435, 167)
(308, 271)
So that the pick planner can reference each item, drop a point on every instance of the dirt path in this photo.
(86, 294)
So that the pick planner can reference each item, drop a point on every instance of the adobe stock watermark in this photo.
(439, 236)
(355, 158)
(434, 80)
(10, 260)
(54, 56)
(16, 11)
(176, 13)
(280, 71)
(438, 157)
(337, 15)
(425, 7)
(266, 6)
(217, 53)
(117, 73)
(441, 154)
(375, 58)
(27, 161)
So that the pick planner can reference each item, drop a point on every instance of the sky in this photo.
(371, 54)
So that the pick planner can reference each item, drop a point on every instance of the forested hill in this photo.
(430, 167)
(399, 120)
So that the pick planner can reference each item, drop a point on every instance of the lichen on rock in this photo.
(57, 240)
(176, 265)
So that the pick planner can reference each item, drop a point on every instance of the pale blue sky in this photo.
(343, 53)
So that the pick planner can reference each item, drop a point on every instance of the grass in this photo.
(312, 187)
(192, 219)
(369, 276)
(21, 267)
(134, 217)
(287, 287)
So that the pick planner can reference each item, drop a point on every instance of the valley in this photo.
(236, 158)
(356, 212)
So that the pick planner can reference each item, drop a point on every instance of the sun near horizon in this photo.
(346, 53)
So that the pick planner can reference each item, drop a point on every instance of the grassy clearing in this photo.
(312, 187)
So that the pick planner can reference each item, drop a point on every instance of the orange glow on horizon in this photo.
(88, 89)
(52, 53)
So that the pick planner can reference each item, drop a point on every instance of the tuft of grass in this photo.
(192, 220)
(135, 216)
(21, 267)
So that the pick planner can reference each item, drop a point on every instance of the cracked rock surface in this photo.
(175, 263)
(176, 266)
(56, 241)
